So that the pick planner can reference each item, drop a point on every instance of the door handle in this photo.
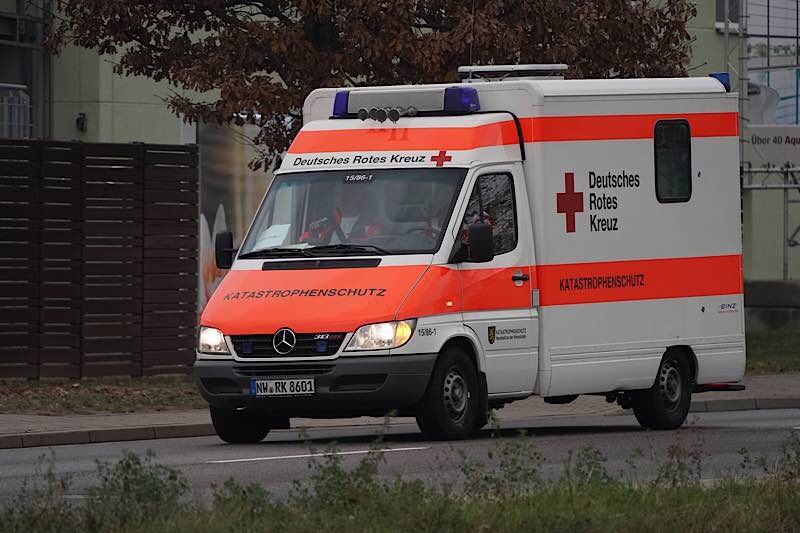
(520, 277)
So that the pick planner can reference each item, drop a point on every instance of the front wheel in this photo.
(240, 427)
(450, 407)
(666, 404)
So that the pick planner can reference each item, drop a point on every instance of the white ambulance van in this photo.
(443, 250)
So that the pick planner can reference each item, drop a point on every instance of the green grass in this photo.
(507, 494)
(773, 351)
(99, 395)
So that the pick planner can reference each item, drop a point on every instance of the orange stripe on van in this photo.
(616, 127)
(399, 139)
(646, 279)
(535, 129)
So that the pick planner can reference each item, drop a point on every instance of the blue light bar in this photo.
(340, 104)
(724, 78)
(461, 100)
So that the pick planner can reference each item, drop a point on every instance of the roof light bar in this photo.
(393, 104)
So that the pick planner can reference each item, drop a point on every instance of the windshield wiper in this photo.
(360, 249)
(275, 252)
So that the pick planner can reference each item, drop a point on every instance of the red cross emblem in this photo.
(569, 202)
(441, 159)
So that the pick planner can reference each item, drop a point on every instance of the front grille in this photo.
(307, 345)
(283, 370)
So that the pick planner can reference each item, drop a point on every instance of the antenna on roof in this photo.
(473, 73)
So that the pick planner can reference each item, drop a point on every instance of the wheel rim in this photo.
(670, 385)
(456, 394)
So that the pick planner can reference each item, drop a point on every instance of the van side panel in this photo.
(629, 276)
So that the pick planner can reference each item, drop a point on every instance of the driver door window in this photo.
(492, 202)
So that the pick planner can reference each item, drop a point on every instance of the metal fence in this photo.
(98, 259)
(787, 180)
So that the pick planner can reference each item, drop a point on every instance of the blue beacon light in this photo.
(724, 78)
(461, 100)
(340, 104)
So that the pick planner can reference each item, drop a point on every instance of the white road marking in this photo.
(796, 429)
(310, 455)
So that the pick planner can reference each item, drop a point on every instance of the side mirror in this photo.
(223, 250)
(481, 243)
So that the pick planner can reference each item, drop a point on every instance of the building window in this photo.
(492, 202)
(673, 161)
(733, 15)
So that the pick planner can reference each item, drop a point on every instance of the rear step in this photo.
(718, 387)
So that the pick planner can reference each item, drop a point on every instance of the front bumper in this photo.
(347, 386)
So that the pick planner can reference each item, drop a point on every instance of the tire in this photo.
(450, 408)
(240, 427)
(666, 404)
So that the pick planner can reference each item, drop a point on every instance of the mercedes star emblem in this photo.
(283, 341)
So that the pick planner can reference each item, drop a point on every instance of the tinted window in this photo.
(673, 161)
(492, 202)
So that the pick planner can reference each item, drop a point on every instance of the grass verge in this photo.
(99, 395)
(771, 352)
(137, 494)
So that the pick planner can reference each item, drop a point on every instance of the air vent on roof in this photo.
(475, 73)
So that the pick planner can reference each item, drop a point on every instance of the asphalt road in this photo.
(284, 456)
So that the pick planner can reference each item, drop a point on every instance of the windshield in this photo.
(391, 211)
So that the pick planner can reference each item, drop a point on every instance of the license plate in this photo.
(282, 387)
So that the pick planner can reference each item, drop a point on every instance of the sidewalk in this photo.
(777, 391)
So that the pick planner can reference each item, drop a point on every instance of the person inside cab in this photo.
(351, 220)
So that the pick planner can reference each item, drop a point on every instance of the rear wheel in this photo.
(666, 404)
(241, 427)
(450, 407)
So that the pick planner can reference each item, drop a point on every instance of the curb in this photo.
(94, 436)
(751, 404)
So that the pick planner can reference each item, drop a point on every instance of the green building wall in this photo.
(118, 109)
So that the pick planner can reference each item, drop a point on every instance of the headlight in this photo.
(211, 340)
(382, 336)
